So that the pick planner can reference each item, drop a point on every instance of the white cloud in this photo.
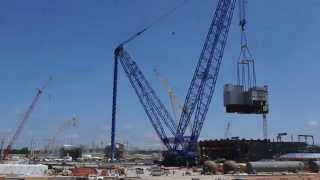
(313, 123)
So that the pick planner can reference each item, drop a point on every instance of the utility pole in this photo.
(227, 133)
(2, 141)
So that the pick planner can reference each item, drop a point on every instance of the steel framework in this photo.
(199, 94)
(23, 121)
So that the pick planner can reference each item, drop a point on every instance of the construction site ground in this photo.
(177, 177)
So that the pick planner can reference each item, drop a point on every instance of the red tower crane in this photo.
(23, 121)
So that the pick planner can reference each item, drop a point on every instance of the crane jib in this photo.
(199, 93)
(158, 115)
(203, 82)
(23, 121)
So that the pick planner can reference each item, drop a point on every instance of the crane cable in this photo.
(246, 59)
(165, 15)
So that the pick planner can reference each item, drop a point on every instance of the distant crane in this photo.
(67, 124)
(176, 106)
(23, 121)
(174, 100)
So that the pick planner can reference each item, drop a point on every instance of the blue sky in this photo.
(73, 41)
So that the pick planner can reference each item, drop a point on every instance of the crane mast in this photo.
(22, 123)
(176, 107)
(159, 117)
(174, 100)
(199, 94)
(204, 79)
(114, 108)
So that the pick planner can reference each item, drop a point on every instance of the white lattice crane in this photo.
(67, 124)
(174, 100)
